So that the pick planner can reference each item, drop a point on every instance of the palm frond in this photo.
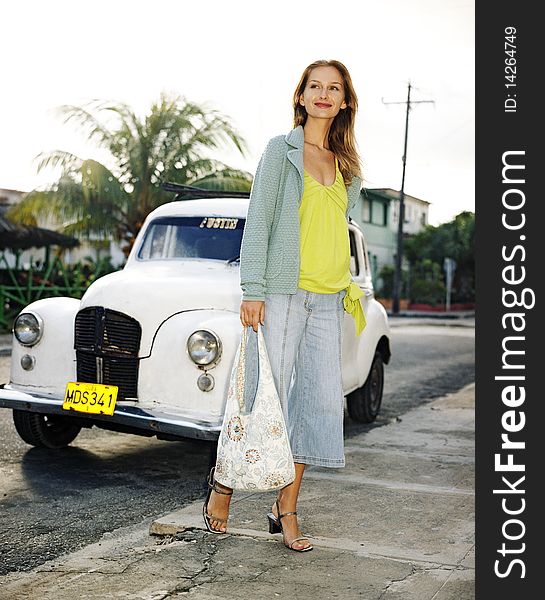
(89, 124)
(58, 158)
(32, 204)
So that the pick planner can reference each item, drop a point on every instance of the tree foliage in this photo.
(454, 239)
(171, 143)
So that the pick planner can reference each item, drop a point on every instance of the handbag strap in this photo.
(241, 365)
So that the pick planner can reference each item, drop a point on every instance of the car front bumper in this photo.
(131, 418)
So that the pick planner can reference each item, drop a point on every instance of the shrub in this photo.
(386, 282)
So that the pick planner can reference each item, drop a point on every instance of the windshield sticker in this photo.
(219, 223)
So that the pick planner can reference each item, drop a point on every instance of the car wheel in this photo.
(44, 431)
(364, 403)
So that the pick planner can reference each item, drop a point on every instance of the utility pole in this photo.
(401, 217)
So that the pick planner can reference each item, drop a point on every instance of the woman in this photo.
(296, 281)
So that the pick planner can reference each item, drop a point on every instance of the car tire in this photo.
(44, 431)
(364, 403)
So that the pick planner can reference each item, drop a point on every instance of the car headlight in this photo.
(28, 328)
(204, 347)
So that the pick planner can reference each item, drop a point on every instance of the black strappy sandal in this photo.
(212, 485)
(275, 526)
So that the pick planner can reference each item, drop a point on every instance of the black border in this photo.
(497, 132)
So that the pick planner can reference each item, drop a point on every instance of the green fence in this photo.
(18, 288)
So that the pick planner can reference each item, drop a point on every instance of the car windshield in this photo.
(192, 237)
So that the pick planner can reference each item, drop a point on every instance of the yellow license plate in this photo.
(94, 398)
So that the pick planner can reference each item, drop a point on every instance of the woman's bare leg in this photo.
(287, 500)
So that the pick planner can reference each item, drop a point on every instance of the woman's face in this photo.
(323, 96)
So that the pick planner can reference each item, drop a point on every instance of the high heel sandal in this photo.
(275, 526)
(212, 485)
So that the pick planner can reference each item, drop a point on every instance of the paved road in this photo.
(52, 502)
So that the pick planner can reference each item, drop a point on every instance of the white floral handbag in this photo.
(254, 452)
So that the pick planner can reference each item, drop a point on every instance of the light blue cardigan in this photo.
(270, 251)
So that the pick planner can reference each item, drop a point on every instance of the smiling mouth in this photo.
(322, 105)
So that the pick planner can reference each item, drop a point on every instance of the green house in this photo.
(377, 214)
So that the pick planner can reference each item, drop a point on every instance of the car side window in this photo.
(365, 257)
(354, 258)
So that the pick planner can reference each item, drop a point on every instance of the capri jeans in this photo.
(303, 337)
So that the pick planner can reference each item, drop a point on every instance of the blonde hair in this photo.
(341, 138)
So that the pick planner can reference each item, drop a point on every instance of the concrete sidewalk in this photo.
(396, 524)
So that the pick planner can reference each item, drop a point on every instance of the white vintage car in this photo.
(149, 349)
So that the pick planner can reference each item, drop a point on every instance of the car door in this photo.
(359, 267)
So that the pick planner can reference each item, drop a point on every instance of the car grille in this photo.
(107, 344)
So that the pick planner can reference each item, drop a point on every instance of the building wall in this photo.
(9, 197)
(416, 215)
(377, 214)
(73, 255)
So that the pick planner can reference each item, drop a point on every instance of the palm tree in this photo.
(169, 144)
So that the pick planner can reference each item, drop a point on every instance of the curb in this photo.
(432, 315)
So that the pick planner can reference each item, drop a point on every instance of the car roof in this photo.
(203, 207)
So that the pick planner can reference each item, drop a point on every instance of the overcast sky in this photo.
(244, 59)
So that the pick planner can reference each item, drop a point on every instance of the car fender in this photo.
(168, 376)
(376, 329)
(54, 354)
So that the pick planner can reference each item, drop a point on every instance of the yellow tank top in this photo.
(325, 243)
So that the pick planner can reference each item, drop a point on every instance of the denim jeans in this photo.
(303, 337)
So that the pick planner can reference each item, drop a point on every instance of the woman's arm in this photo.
(255, 238)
